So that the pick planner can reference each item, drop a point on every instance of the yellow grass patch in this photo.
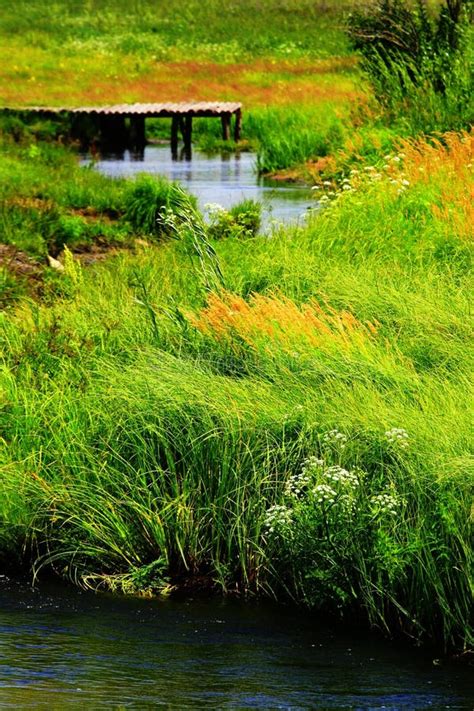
(449, 163)
(276, 322)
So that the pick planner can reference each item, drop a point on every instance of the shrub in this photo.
(148, 198)
(242, 220)
(248, 215)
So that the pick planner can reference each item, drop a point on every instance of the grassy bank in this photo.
(286, 416)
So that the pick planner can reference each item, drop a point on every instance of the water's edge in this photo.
(223, 179)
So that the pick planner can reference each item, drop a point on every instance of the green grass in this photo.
(151, 420)
(143, 27)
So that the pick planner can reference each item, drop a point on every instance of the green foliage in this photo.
(151, 423)
(346, 536)
(242, 220)
(147, 199)
(168, 30)
(11, 288)
(290, 136)
(48, 201)
(420, 66)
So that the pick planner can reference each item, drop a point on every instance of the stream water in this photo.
(61, 648)
(222, 179)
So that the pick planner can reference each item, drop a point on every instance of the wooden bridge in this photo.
(123, 125)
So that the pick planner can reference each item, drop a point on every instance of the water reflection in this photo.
(224, 179)
(62, 647)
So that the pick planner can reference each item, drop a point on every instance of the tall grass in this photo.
(146, 440)
(420, 64)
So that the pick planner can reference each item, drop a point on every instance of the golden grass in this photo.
(450, 163)
(269, 322)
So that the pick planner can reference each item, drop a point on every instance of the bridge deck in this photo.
(155, 110)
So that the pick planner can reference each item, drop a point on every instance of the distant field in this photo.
(263, 53)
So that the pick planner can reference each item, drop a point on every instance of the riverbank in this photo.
(291, 416)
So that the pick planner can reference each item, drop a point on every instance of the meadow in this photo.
(223, 411)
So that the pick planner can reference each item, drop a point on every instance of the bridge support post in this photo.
(85, 129)
(188, 135)
(174, 137)
(237, 125)
(137, 133)
(225, 120)
(113, 133)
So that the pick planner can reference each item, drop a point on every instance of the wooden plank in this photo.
(206, 108)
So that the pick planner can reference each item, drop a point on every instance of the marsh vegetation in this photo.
(213, 408)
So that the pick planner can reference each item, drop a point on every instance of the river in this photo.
(61, 648)
(219, 179)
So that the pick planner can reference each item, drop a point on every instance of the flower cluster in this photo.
(324, 494)
(338, 475)
(214, 208)
(335, 438)
(385, 503)
(277, 517)
(297, 484)
(167, 217)
(312, 463)
(397, 436)
(360, 178)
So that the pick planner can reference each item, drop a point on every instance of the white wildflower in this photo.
(324, 494)
(297, 484)
(277, 516)
(385, 504)
(313, 461)
(398, 436)
(338, 475)
(347, 502)
(214, 208)
(336, 438)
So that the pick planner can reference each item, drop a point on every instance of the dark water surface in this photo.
(221, 179)
(62, 648)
